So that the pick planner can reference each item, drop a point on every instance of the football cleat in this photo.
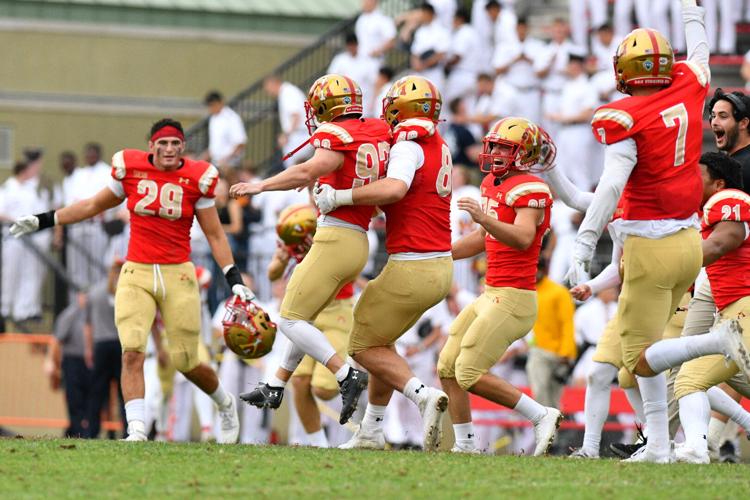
(545, 431)
(432, 408)
(472, 450)
(584, 454)
(644, 455)
(734, 347)
(728, 454)
(264, 396)
(230, 423)
(365, 440)
(248, 330)
(136, 432)
(351, 388)
(688, 455)
(623, 450)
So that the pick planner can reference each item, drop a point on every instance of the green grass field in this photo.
(73, 468)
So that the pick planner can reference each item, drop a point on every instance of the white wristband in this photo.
(344, 197)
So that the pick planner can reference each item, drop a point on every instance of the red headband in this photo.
(168, 131)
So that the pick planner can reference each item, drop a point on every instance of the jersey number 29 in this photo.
(170, 199)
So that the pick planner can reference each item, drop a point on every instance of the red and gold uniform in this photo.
(419, 271)
(730, 285)
(507, 309)
(158, 273)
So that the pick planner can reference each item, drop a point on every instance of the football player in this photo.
(350, 151)
(513, 219)
(653, 142)
(164, 191)
(416, 197)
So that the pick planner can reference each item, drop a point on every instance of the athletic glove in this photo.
(31, 223)
(578, 273)
(328, 199)
(234, 278)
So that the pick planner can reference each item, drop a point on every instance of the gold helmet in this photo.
(643, 59)
(523, 147)
(248, 330)
(412, 97)
(296, 224)
(331, 96)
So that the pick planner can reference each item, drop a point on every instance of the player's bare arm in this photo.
(278, 263)
(726, 236)
(323, 162)
(468, 246)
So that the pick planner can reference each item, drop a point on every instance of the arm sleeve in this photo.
(695, 33)
(619, 160)
(610, 275)
(568, 192)
(205, 202)
(116, 187)
(406, 158)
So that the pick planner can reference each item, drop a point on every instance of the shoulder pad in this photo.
(727, 205)
(611, 124)
(413, 129)
(532, 194)
(118, 165)
(701, 73)
(331, 136)
(208, 180)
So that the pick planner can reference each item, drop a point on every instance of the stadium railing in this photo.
(259, 110)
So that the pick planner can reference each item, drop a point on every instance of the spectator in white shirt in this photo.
(504, 21)
(574, 140)
(375, 31)
(445, 11)
(430, 45)
(580, 23)
(489, 103)
(383, 83)
(226, 133)
(291, 102)
(603, 48)
(363, 70)
(22, 271)
(551, 67)
(464, 58)
(514, 64)
(720, 18)
(623, 15)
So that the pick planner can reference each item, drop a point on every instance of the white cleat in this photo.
(583, 453)
(545, 431)
(230, 423)
(432, 408)
(644, 455)
(471, 450)
(688, 455)
(364, 440)
(136, 432)
(734, 347)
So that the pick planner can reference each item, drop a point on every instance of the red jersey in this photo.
(161, 204)
(668, 131)
(508, 266)
(365, 144)
(728, 276)
(420, 221)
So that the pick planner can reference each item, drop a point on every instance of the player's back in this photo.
(162, 204)
(420, 221)
(667, 129)
(365, 144)
(507, 266)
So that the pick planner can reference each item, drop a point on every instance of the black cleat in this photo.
(727, 454)
(351, 387)
(625, 451)
(264, 396)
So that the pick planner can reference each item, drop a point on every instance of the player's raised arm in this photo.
(695, 34)
(77, 212)
(568, 192)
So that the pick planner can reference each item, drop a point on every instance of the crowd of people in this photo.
(557, 84)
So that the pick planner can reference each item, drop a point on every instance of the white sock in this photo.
(318, 439)
(695, 412)
(673, 352)
(135, 414)
(275, 381)
(308, 339)
(724, 404)
(373, 418)
(291, 358)
(715, 429)
(634, 398)
(342, 372)
(596, 407)
(220, 397)
(415, 390)
(464, 434)
(530, 409)
(654, 394)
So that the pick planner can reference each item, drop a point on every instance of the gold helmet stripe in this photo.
(615, 115)
(655, 48)
(524, 189)
(725, 194)
(340, 132)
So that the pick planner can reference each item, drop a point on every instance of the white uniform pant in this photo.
(22, 276)
(581, 23)
(720, 18)
(236, 377)
(623, 14)
(459, 84)
(574, 142)
(528, 104)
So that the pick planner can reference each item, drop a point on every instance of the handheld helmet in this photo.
(248, 330)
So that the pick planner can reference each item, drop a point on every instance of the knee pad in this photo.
(445, 368)
(466, 376)
(625, 379)
(184, 361)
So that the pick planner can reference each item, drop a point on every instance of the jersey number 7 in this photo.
(677, 116)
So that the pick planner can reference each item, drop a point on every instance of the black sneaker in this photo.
(625, 451)
(351, 387)
(264, 396)
(727, 454)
